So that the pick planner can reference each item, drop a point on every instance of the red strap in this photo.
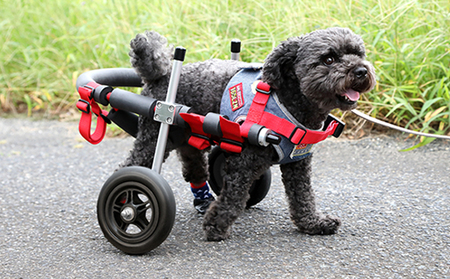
(199, 139)
(87, 106)
(318, 136)
(256, 108)
(294, 133)
(231, 132)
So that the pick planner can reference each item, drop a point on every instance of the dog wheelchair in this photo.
(136, 206)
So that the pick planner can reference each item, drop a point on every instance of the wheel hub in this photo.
(128, 213)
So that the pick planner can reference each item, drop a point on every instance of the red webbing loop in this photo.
(199, 139)
(87, 106)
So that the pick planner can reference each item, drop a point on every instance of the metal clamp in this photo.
(164, 112)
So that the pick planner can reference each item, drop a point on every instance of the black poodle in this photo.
(310, 75)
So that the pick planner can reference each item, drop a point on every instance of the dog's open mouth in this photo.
(349, 97)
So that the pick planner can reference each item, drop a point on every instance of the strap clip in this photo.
(84, 106)
(340, 125)
(294, 136)
(263, 88)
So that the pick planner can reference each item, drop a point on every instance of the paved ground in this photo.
(394, 206)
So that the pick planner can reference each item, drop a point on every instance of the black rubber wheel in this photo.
(258, 190)
(136, 210)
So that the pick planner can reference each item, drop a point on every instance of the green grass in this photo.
(46, 44)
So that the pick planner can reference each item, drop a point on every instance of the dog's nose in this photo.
(360, 72)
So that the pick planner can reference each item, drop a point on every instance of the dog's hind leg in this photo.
(241, 171)
(195, 171)
(297, 182)
(194, 163)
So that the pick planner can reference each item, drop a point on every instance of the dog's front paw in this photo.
(214, 234)
(324, 225)
(216, 228)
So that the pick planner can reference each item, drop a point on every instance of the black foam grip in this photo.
(128, 101)
(112, 77)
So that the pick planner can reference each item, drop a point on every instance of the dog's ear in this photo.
(278, 67)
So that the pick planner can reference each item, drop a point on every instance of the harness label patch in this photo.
(236, 96)
(301, 150)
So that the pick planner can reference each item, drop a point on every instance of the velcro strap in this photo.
(198, 139)
(230, 147)
(198, 142)
(87, 106)
(231, 133)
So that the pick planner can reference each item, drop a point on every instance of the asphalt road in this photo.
(394, 207)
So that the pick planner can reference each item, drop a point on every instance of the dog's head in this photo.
(325, 67)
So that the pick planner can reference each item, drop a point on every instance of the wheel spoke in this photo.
(141, 222)
(142, 207)
(123, 226)
(135, 197)
(116, 208)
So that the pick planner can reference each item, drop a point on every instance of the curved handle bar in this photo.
(111, 76)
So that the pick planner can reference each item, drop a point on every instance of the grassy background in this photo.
(47, 44)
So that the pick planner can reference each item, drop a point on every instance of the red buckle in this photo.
(263, 87)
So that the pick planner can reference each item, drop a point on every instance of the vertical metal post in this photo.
(170, 100)
(235, 49)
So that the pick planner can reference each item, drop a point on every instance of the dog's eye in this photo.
(328, 60)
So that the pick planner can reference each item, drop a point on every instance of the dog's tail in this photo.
(150, 56)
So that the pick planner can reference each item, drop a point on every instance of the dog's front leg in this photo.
(241, 170)
(297, 182)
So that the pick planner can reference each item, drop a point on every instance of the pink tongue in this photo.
(352, 95)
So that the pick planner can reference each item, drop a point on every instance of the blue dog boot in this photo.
(202, 205)
(202, 197)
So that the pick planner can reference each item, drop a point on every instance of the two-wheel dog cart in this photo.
(136, 206)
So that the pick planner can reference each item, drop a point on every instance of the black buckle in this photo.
(301, 127)
(91, 95)
(88, 107)
(338, 131)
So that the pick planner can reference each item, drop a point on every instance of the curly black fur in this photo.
(311, 74)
